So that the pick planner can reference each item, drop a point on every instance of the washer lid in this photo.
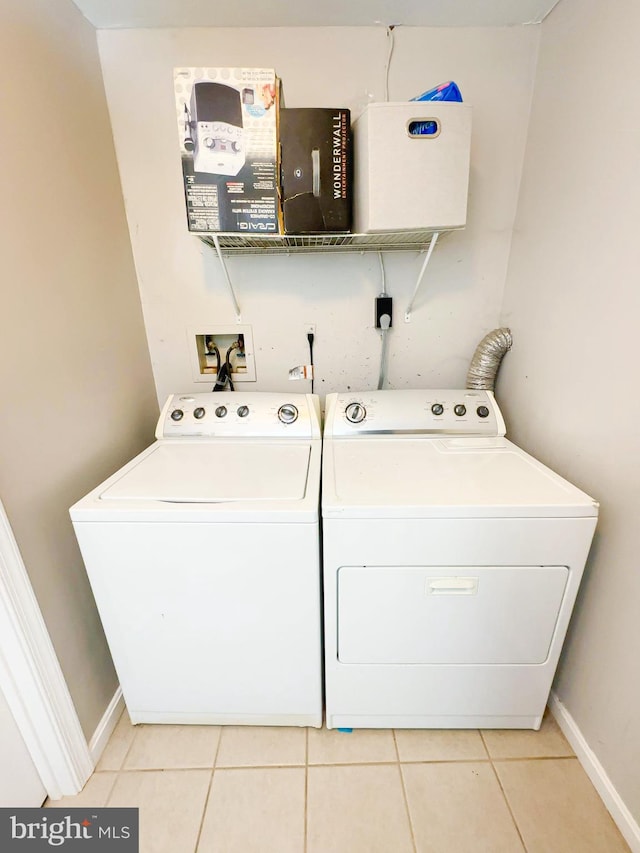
(216, 471)
(397, 477)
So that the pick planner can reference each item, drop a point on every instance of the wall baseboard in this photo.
(623, 818)
(107, 724)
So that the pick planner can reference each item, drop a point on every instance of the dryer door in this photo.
(448, 615)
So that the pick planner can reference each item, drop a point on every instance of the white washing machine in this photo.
(203, 556)
(452, 560)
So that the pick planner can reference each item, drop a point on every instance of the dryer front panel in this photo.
(448, 615)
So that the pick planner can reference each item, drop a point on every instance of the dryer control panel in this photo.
(438, 412)
(235, 415)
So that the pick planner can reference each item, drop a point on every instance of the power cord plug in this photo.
(384, 307)
(311, 338)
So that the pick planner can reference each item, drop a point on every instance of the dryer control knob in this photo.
(460, 409)
(243, 411)
(177, 415)
(355, 413)
(198, 413)
(288, 413)
(221, 411)
(437, 408)
(482, 412)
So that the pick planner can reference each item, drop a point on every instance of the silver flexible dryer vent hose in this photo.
(487, 358)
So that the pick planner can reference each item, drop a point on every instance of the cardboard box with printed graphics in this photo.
(227, 124)
(315, 168)
(411, 166)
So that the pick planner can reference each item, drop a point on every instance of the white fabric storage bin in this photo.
(406, 180)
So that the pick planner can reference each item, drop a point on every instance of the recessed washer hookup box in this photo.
(411, 166)
(315, 168)
(227, 121)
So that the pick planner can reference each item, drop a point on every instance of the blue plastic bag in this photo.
(444, 92)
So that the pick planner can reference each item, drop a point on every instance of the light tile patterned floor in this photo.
(237, 789)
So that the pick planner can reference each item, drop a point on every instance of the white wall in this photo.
(573, 302)
(20, 784)
(78, 397)
(180, 280)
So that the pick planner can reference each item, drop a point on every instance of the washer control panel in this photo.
(239, 414)
(439, 412)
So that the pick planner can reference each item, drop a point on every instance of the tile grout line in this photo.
(181, 769)
(111, 789)
(124, 758)
(204, 810)
(359, 763)
(404, 791)
(306, 788)
(484, 743)
(402, 761)
(506, 759)
(136, 729)
(504, 794)
(208, 797)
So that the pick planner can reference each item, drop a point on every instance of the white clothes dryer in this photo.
(452, 560)
(203, 556)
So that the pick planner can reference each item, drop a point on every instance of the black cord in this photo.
(310, 337)
(212, 349)
(222, 379)
(227, 363)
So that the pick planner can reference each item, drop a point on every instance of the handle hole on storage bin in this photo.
(423, 128)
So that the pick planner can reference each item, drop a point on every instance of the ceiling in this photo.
(117, 14)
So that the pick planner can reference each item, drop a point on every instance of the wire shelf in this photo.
(276, 244)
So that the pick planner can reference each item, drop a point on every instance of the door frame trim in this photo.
(32, 680)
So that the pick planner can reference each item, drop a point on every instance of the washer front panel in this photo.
(211, 623)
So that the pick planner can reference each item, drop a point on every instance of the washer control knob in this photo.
(355, 413)
(198, 413)
(288, 413)
(209, 142)
(482, 412)
(437, 408)
(221, 411)
(243, 411)
(460, 409)
(177, 415)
